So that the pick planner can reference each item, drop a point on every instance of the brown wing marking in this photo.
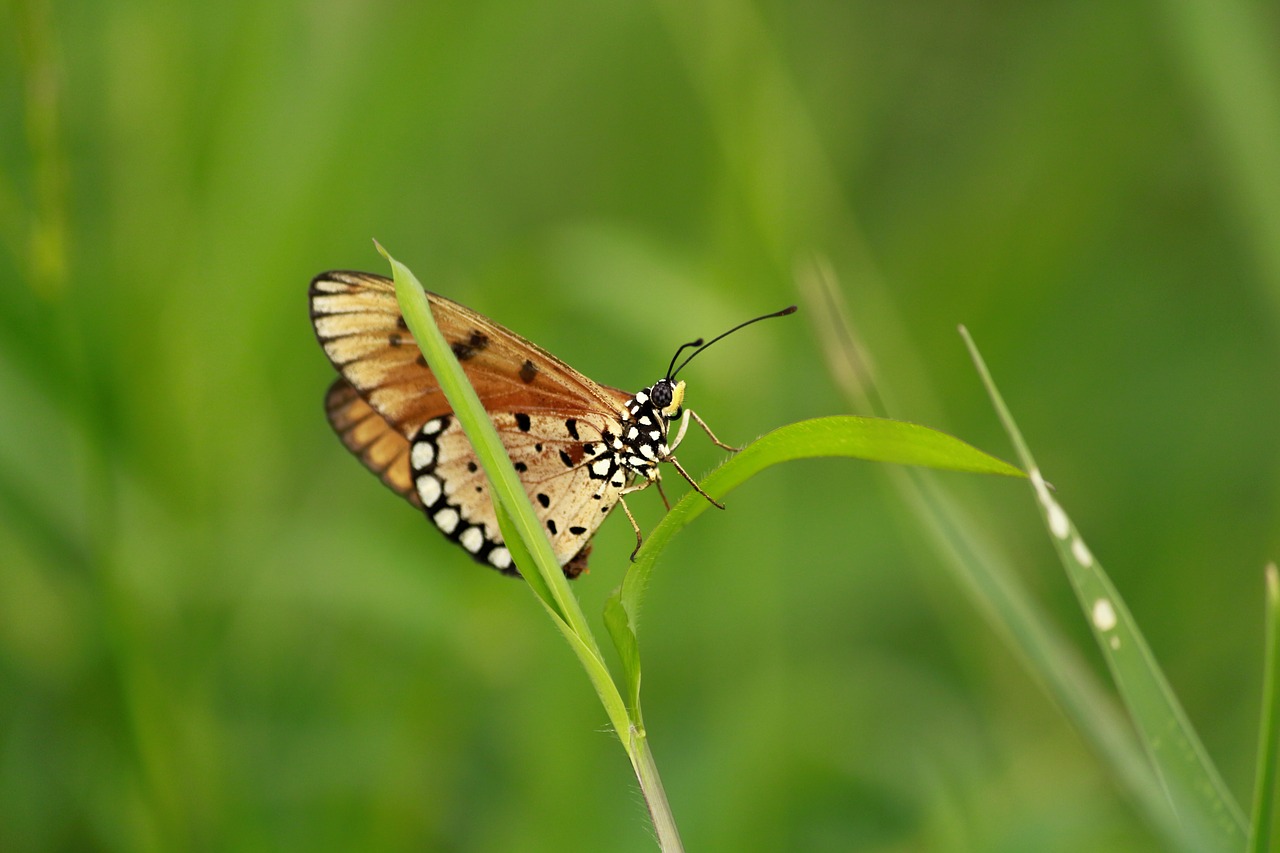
(381, 448)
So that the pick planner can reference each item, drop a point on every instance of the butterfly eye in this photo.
(661, 394)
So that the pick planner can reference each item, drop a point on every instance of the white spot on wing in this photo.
(1103, 614)
(500, 557)
(429, 489)
(433, 426)
(446, 519)
(424, 453)
(601, 467)
(472, 539)
(632, 433)
(646, 450)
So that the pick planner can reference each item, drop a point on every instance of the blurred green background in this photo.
(218, 632)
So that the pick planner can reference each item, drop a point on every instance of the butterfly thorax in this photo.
(641, 441)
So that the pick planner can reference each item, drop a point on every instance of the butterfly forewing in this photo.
(390, 412)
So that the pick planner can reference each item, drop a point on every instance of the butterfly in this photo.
(578, 446)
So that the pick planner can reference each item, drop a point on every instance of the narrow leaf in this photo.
(1208, 814)
(618, 621)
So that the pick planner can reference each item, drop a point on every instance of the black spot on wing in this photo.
(572, 426)
(522, 421)
(470, 348)
(528, 371)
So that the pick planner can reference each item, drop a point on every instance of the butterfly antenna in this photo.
(790, 309)
(683, 347)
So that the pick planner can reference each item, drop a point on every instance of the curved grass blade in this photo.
(1208, 814)
(871, 439)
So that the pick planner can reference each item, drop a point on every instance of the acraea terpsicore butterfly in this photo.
(577, 445)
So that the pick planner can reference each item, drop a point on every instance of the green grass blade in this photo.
(1031, 634)
(994, 587)
(551, 584)
(622, 630)
(873, 439)
(1264, 789)
(1208, 814)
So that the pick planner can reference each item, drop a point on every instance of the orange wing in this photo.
(358, 323)
(547, 414)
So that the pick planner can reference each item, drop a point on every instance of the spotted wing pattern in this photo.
(390, 412)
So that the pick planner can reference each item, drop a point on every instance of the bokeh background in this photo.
(218, 632)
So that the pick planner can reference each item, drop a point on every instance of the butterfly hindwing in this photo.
(390, 412)
(369, 436)
(569, 498)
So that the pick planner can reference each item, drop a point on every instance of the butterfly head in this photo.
(667, 396)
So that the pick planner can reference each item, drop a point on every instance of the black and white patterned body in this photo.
(641, 439)
(576, 471)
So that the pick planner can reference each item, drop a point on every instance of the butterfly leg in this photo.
(707, 430)
(657, 481)
(684, 425)
(631, 518)
(683, 473)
